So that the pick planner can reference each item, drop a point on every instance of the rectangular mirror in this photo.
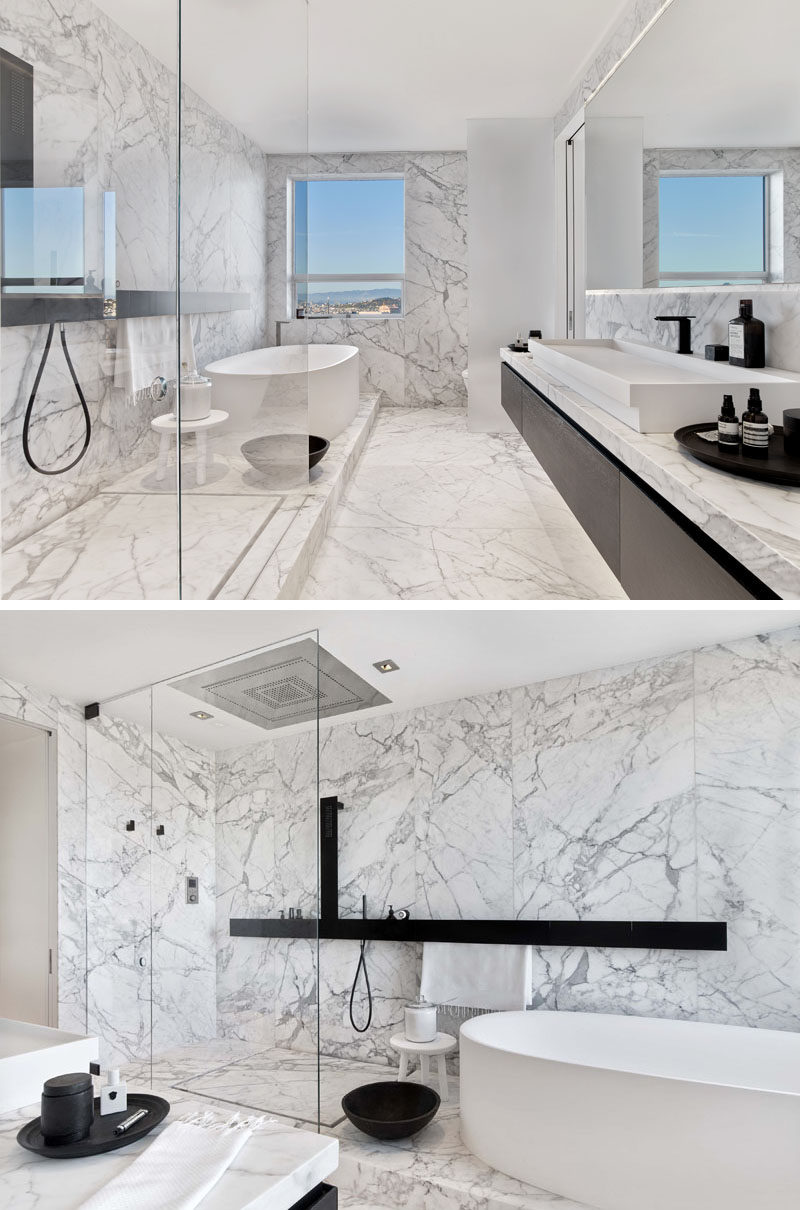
(693, 154)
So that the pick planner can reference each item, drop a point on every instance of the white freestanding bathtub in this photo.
(308, 388)
(634, 1113)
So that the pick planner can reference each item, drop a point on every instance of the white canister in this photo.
(421, 1022)
(195, 396)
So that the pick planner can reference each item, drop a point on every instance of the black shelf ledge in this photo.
(617, 934)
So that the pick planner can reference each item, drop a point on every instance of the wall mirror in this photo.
(693, 154)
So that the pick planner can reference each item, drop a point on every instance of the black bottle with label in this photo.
(746, 338)
(755, 427)
(728, 425)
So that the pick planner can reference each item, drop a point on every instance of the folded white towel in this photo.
(494, 977)
(179, 1167)
(147, 349)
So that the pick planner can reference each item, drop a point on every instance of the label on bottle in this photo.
(755, 434)
(728, 432)
(736, 340)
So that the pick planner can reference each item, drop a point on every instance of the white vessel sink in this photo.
(655, 391)
(31, 1054)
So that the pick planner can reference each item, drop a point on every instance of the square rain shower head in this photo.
(279, 688)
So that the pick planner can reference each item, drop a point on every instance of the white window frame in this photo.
(295, 279)
(756, 278)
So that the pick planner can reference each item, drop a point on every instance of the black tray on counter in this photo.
(101, 1137)
(777, 467)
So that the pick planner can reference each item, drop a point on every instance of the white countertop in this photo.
(277, 1167)
(757, 523)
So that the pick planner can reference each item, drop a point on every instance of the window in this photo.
(348, 245)
(713, 229)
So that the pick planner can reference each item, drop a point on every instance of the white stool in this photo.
(167, 427)
(441, 1046)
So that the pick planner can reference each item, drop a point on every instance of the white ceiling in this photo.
(381, 75)
(87, 655)
(711, 73)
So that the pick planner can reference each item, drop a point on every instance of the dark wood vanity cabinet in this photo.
(656, 554)
(322, 1197)
(586, 480)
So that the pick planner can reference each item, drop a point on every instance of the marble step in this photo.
(433, 1171)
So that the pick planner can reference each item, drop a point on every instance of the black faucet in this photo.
(684, 323)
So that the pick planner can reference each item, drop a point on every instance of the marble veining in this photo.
(437, 512)
(105, 118)
(755, 522)
(415, 360)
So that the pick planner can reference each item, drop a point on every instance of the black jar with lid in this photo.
(67, 1108)
(791, 432)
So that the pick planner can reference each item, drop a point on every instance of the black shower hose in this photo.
(362, 964)
(26, 449)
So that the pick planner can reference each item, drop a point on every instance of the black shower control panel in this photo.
(192, 889)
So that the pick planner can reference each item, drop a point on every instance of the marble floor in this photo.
(435, 512)
(431, 1171)
(237, 530)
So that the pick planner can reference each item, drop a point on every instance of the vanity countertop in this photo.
(757, 523)
(277, 1167)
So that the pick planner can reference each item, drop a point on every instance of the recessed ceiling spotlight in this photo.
(386, 666)
(201, 714)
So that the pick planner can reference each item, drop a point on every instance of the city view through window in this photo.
(344, 229)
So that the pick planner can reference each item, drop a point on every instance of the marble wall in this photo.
(151, 956)
(782, 165)
(661, 790)
(630, 315)
(634, 21)
(105, 118)
(416, 360)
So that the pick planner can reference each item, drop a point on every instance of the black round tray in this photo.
(777, 467)
(101, 1137)
(518, 348)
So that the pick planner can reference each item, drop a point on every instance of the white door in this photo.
(27, 875)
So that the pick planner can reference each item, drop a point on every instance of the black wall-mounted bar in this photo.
(612, 934)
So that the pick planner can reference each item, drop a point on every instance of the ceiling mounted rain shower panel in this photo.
(281, 688)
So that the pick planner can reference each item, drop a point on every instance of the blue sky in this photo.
(711, 223)
(352, 227)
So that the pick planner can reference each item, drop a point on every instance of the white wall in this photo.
(614, 203)
(510, 223)
(25, 892)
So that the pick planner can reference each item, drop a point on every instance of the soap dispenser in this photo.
(114, 1094)
(755, 427)
(746, 338)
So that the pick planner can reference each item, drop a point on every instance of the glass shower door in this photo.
(202, 873)
(244, 394)
(88, 301)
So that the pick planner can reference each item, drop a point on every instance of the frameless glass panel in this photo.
(88, 301)
(119, 935)
(712, 225)
(244, 403)
(203, 915)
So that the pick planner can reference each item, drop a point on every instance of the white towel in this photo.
(493, 977)
(146, 349)
(179, 1167)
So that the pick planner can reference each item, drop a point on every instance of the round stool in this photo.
(167, 427)
(441, 1046)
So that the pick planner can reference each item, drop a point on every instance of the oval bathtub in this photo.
(288, 388)
(635, 1113)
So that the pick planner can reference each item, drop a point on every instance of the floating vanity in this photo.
(669, 527)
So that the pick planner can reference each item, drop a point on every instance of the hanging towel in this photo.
(179, 1167)
(493, 977)
(146, 349)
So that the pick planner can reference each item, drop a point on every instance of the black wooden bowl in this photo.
(317, 449)
(391, 1109)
